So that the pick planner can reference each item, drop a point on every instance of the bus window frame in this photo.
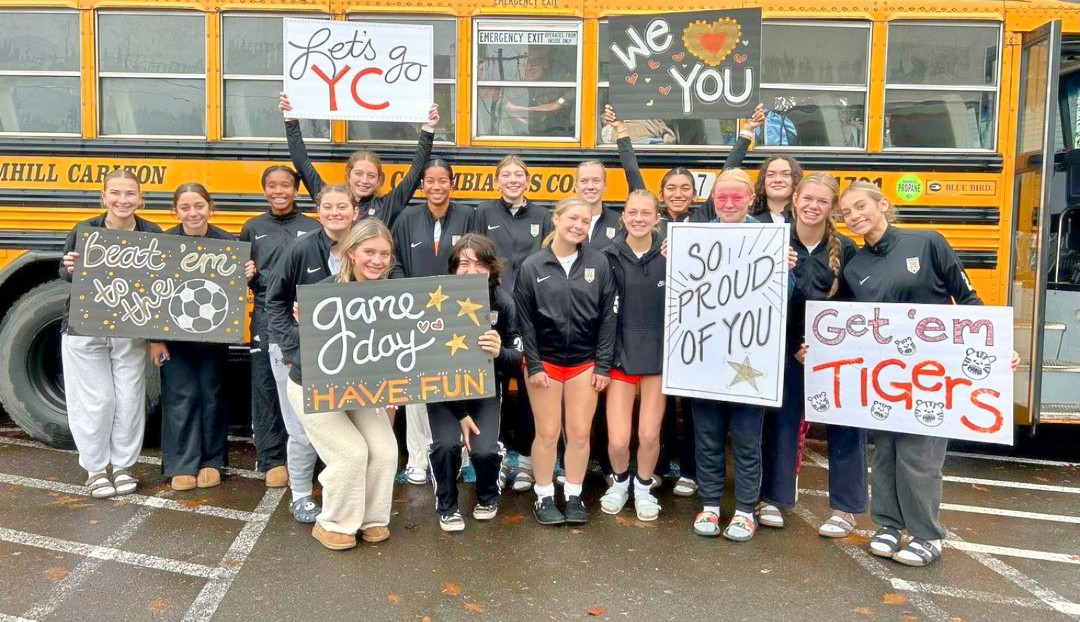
(843, 88)
(49, 74)
(205, 76)
(255, 77)
(543, 24)
(995, 90)
(433, 17)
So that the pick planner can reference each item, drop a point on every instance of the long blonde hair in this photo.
(560, 208)
(832, 238)
(362, 232)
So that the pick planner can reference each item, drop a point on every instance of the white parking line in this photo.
(1014, 459)
(135, 499)
(990, 549)
(6, 618)
(902, 585)
(975, 509)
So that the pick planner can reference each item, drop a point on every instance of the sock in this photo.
(297, 495)
(748, 515)
(935, 543)
(544, 491)
(642, 487)
(622, 480)
(571, 490)
(715, 509)
(525, 463)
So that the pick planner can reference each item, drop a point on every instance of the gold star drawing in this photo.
(745, 373)
(469, 308)
(457, 343)
(436, 298)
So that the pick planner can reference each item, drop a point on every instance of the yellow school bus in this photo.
(963, 111)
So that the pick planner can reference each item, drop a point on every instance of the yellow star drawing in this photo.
(469, 308)
(436, 298)
(457, 343)
(745, 373)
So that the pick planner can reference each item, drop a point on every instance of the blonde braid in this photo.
(833, 244)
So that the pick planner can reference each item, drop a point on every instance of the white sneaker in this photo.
(614, 500)
(416, 475)
(452, 522)
(646, 507)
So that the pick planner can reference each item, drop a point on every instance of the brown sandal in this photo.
(124, 482)
(100, 487)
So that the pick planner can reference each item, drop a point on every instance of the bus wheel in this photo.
(31, 370)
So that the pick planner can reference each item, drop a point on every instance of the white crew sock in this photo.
(571, 490)
(642, 488)
(544, 491)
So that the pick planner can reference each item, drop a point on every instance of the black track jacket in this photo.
(639, 341)
(303, 263)
(269, 236)
(515, 236)
(609, 228)
(414, 240)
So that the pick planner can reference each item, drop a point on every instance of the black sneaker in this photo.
(575, 511)
(452, 521)
(546, 513)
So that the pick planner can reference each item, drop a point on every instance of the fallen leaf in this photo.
(69, 501)
(1041, 479)
(53, 478)
(632, 522)
(94, 521)
(908, 617)
(513, 519)
(425, 619)
(191, 504)
(56, 574)
(472, 607)
(158, 606)
(858, 539)
(393, 598)
(596, 612)
(121, 503)
(234, 563)
(451, 589)
(980, 488)
(15, 488)
(576, 532)
(865, 612)
(411, 527)
(894, 598)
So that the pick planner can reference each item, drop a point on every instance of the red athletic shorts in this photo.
(621, 376)
(560, 373)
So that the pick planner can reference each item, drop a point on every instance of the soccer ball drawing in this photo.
(199, 306)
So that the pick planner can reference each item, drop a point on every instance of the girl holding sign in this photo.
(475, 421)
(105, 377)
(917, 267)
(822, 255)
(358, 447)
(638, 269)
(194, 424)
(363, 172)
(565, 296)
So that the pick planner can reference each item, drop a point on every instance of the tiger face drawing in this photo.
(930, 414)
(905, 346)
(880, 410)
(976, 364)
(819, 402)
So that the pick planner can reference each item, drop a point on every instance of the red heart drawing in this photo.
(653, 64)
(679, 56)
(664, 90)
(740, 58)
(713, 42)
(423, 325)
(437, 324)
(631, 79)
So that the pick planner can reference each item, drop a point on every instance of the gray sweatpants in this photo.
(105, 387)
(300, 455)
(905, 483)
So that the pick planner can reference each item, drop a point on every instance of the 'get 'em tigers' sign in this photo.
(935, 370)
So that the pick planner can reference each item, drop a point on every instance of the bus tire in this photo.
(31, 371)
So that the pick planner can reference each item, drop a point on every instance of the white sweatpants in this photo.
(300, 455)
(105, 387)
(417, 435)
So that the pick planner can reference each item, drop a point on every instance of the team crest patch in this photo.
(493, 317)
(610, 232)
(534, 230)
(590, 274)
(913, 265)
(371, 211)
(454, 240)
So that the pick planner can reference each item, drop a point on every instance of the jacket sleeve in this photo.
(609, 323)
(951, 271)
(738, 153)
(510, 357)
(397, 271)
(525, 302)
(628, 159)
(69, 245)
(246, 236)
(398, 198)
(301, 160)
(280, 295)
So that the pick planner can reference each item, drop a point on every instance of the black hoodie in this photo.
(814, 278)
(269, 235)
(414, 240)
(303, 263)
(516, 236)
(640, 283)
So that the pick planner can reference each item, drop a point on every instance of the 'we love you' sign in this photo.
(700, 65)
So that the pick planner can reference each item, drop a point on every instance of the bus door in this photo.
(1039, 67)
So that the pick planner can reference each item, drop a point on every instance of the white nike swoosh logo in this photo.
(541, 279)
(490, 227)
(415, 244)
(313, 270)
(259, 237)
(864, 280)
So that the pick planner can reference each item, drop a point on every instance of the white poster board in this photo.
(359, 71)
(726, 312)
(935, 370)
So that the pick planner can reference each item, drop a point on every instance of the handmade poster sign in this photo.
(359, 71)
(726, 312)
(157, 286)
(699, 65)
(392, 342)
(935, 370)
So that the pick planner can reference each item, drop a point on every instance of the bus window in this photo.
(527, 76)
(251, 67)
(445, 52)
(941, 85)
(152, 71)
(39, 72)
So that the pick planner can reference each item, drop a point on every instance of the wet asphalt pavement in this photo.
(235, 553)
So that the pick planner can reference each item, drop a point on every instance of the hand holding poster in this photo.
(726, 312)
(393, 342)
(699, 65)
(156, 286)
(359, 71)
(935, 370)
